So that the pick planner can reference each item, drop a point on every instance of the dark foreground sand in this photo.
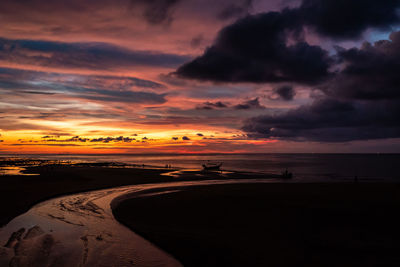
(272, 224)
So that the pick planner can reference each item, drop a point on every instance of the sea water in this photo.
(305, 167)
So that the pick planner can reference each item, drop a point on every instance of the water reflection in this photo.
(14, 171)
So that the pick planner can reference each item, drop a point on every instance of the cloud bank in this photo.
(359, 87)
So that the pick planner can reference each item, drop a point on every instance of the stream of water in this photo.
(80, 230)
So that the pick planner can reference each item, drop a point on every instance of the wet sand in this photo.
(18, 193)
(276, 224)
(78, 230)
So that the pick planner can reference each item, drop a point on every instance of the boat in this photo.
(287, 175)
(212, 166)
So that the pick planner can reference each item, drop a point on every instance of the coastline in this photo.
(18, 193)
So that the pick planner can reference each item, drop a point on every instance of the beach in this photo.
(256, 220)
(20, 192)
(274, 224)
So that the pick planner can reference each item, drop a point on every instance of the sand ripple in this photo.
(80, 230)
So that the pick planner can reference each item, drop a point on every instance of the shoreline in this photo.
(78, 230)
(18, 193)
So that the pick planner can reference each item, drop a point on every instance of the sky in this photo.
(199, 76)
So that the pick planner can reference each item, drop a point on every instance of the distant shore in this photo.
(274, 224)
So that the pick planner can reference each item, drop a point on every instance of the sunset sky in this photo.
(194, 76)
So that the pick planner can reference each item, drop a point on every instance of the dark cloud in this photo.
(235, 9)
(245, 105)
(156, 11)
(348, 19)
(111, 139)
(369, 73)
(361, 101)
(212, 105)
(37, 93)
(200, 134)
(285, 92)
(254, 49)
(330, 120)
(185, 138)
(82, 55)
(174, 138)
(360, 86)
(250, 104)
(269, 47)
(72, 139)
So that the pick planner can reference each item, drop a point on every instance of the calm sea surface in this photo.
(306, 167)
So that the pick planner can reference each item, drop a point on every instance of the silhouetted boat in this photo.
(212, 166)
(287, 175)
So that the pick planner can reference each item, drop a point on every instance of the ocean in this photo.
(305, 167)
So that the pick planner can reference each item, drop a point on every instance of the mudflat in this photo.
(18, 192)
